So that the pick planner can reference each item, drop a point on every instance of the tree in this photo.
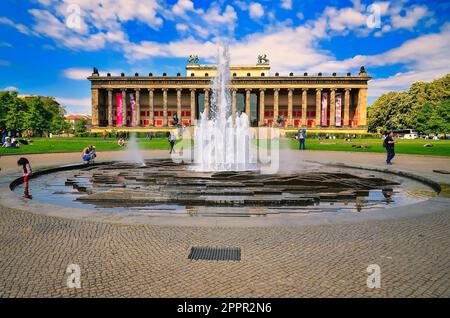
(59, 125)
(37, 118)
(439, 121)
(81, 127)
(12, 111)
(57, 122)
(422, 107)
(423, 118)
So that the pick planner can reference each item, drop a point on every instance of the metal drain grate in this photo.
(215, 253)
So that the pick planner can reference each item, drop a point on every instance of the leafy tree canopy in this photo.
(423, 107)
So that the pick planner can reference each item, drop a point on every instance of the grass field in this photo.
(402, 146)
(73, 144)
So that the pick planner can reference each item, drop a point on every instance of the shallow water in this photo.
(133, 189)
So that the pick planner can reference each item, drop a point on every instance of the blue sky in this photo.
(48, 47)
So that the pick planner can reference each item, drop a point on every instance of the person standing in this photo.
(172, 139)
(26, 167)
(175, 119)
(389, 144)
(302, 139)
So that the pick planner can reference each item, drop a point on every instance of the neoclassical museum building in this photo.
(150, 102)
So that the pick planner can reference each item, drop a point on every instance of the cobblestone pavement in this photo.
(151, 261)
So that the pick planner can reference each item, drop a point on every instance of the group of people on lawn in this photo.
(11, 138)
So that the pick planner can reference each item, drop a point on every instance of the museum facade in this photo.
(315, 102)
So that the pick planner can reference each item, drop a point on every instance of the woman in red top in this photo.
(26, 175)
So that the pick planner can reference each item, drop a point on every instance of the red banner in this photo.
(324, 109)
(338, 103)
(119, 109)
(133, 109)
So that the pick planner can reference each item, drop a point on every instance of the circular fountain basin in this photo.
(163, 188)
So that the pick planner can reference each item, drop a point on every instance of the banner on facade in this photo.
(324, 108)
(133, 109)
(338, 109)
(119, 109)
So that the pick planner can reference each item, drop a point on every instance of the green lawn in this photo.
(73, 144)
(402, 146)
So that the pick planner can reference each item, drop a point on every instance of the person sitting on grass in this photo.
(26, 167)
(89, 154)
(8, 143)
(15, 142)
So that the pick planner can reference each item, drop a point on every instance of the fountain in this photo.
(223, 139)
(133, 154)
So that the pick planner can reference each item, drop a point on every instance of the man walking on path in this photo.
(389, 144)
(172, 140)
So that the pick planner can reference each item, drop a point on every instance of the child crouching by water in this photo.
(26, 167)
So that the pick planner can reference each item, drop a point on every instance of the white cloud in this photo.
(11, 89)
(19, 27)
(410, 19)
(402, 81)
(289, 48)
(256, 10)
(424, 58)
(227, 19)
(4, 63)
(76, 105)
(286, 4)
(77, 73)
(184, 6)
(180, 48)
(101, 22)
(6, 44)
(181, 27)
(82, 73)
(344, 19)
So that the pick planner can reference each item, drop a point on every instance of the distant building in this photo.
(318, 102)
(73, 119)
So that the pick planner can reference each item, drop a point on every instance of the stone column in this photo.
(206, 103)
(233, 101)
(94, 95)
(347, 107)
(110, 105)
(165, 119)
(124, 107)
(179, 90)
(332, 107)
(289, 119)
(318, 104)
(275, 104)
(138, 107)
(151, 106)
(362, 107)
(261, 106)
(193, 114)
(247, 102)
(304, 106)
